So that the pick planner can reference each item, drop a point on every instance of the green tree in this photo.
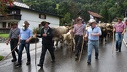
(109, 9)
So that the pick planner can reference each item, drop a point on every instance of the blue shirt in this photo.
(24, 35)
(95, 30)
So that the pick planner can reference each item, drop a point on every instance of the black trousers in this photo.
(78, 44)
(44, 49)
(13, 44)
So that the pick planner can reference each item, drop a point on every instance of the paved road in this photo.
(65, 62)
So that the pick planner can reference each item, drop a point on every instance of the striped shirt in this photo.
(14, 33)
(119, 27)
(79, 29)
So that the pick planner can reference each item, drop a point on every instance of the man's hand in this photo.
(95, 34)
(114, 30)
(6, 42)
(44, 35)
(18, 43)
(85, 38)
(71, 31)
(122, 33)
(27, 41)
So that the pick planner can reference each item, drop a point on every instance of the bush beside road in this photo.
(4, 35)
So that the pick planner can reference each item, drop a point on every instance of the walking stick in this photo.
(72, 38)
(81, 50)
(113, 44)
(35, 54)
(9, 53)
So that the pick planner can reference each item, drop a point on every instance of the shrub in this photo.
(34, 40)
(4, 35)
(1, 57)
(37, 30)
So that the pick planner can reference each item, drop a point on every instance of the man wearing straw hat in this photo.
(13, 38)
(93, 34)
(79, 30)
(25, 37)
(120, 29)
(47, 43)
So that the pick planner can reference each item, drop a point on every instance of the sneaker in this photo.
(53, 61)
(96, 58)
(116, 49)
(76, 58)
(89, 63)
(28, 63)
(13, 60)
(18, 65)
(40, 65)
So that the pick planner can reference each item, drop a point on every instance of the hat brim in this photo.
(48, 22)
(43, 24)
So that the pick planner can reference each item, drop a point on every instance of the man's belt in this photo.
(22, 40)
(14, 38)
(118, 32)
(94, 40)
(78, 35)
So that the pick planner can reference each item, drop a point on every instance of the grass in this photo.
(4, 35)
(1, 57)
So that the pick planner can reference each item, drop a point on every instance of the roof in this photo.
(24, 6)
(95, 14)
(21, 5)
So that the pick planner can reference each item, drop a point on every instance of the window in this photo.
(13, 12)
(4, 24)
(42, 16)
(9, 25)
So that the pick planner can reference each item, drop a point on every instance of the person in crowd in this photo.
(13, 39)
(125, 23)
(119, 29)
(93, 34)
(47, 43)
(79, 30)
(25, 37)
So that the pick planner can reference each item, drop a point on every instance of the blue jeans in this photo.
(119, 39)
(21, 47)
(92, 44)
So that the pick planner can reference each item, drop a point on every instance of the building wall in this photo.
(34, 20)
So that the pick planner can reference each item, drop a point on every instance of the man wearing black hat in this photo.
(13, 38)
(47, 42)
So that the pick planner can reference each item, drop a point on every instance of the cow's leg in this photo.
(56, 43)
(61, 43)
